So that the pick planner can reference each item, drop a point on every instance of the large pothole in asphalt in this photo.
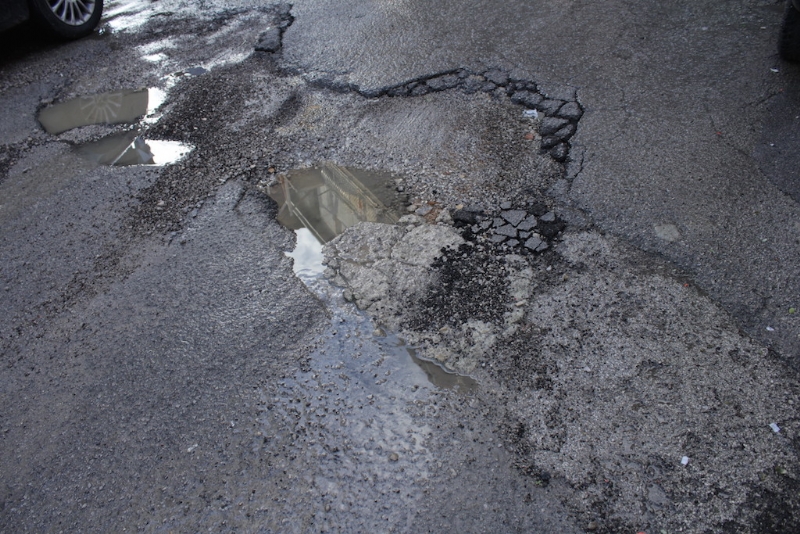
(320, 204)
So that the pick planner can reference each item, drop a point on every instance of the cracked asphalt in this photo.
(636, 362)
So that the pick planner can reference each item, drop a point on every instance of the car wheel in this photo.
(789, 43)
(67, 19)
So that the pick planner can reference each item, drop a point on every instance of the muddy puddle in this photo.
(319, 204)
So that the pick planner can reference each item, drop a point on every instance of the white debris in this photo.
(685, 460)
(770, 329)
(775, 428)
(530, 113)
(192, 448)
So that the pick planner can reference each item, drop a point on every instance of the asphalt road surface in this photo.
(583, 317)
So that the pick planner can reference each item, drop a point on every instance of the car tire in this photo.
(789, 42)
(67, 19)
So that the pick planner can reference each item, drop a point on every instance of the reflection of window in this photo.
(101, 108)
(327, 201)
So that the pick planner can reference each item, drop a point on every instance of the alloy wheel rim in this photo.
(72, 12)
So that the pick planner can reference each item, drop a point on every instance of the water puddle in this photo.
(441, 377)
(328, 199)
(130, 148)
(435, 373)
(116, 107)
(307, 255)
(320, 203)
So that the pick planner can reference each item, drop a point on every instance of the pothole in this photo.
(130, 148)
(117, 107)
(328, 199)
(320, 203)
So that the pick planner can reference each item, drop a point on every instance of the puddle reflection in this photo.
(116, 107)
(438, 375)
(307, 255)
(329, 199)
(319, 204)
(129, 148)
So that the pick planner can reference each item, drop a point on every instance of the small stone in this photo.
(497, 222)
(566, 132)
(549, 142)
(505, 205)
(528, 224)
(542, 247)
(548, 217)
(549, 107)
(592, 525)
(667, 232)
(473, 84)
(485, 225)
(412, 208)
(394, 457)
(513, 217)
(533, 242)
(571, 111)
(550, 125)
(441, 83)
(488, 87)
(424, 210)
(512, 242)
(444, 217)
(411, 219)
(466, 216)
(558, 91)
(559, 152)
(496, 76)
(506, 230)
(497, 238)
(524, 235)
(527, 98)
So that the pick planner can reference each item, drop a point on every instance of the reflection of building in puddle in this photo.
(329, 199)
(129, 148)
(321, 203)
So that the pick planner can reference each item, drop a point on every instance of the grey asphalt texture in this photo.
(681, 103)
(164, 370)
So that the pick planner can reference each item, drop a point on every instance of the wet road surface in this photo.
(596, 228)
